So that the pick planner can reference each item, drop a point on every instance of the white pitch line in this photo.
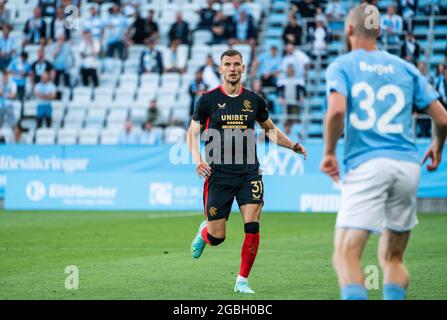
(174, 215)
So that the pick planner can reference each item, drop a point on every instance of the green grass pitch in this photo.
(142, 255)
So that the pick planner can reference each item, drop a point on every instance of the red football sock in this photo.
(205, 235)
(248, 253)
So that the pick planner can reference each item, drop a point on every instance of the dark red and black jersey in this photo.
(229, 122)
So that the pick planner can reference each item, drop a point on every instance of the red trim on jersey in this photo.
(205, 195)
(223, 91)
(212, 89)
(207, 123)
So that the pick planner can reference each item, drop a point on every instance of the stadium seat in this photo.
(45, 136)
(7, 133)
(57, 116)
(95, 118)
(202, 37)
(138, 115)
(30, 108)
(74, 118)
(174, 135)
(118, 115)
(216, 51)
(150, 79)
(67, 136)
(88, 136)
(109, 137)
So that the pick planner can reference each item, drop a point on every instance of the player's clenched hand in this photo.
(434, 153)
(299, 148)
(329, 165)
(203, 169)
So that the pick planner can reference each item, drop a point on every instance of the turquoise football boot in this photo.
(242, 287)
(198, 244)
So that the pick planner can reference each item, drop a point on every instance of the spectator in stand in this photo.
(94, 24)
(222, 29)
(320, 16)
(267, 67)
(196, 90)
(257, 88)
(137, 34)
(392, 26)
(40, 66)
(291, 91)
(307, 9)
(116, 33)
(423, 126)
(179, 30)
(407, 10)
(57, 26)
(292, 131)
(19, 69)
(45, 92)
(175, 57)
(5, 15)
(35, 29)
(89, 49)
(8, 92)
(48, 7)
(439, 75)
(153, 114)
(320, 39)
(441, 83)
(151, 59)
(210, 73)
(410, 49)
(127, 136)
(293, 32)
(422, 67)
(149, 136)
(8, 47)
(18, 136)
(206, 16)
(62, 60)
(335, 10)
(293, 71)
(150, 26)
(245, 31)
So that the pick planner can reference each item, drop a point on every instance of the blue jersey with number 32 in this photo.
(381, 90)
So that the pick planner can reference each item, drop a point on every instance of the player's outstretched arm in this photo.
(434, 152)
(333, 129)
(278, 137)
(202, 168)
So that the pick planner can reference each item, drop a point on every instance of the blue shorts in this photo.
(43, 110)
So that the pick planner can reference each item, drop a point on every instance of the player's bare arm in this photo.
(333, 129)
(434, 152)
(202, 168)
(278, 137)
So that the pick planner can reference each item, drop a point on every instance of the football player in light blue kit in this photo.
(370, 96)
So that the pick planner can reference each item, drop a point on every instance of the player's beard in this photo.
(234, 82)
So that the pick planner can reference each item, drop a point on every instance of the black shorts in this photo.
(219, 193)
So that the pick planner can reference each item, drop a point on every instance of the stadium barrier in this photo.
(163, 178)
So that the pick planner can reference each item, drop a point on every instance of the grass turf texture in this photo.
(138, 255)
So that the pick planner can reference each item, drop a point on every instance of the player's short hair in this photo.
(231, 53)
(365, 20)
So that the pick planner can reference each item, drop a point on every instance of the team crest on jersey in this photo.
(247, 106)
(221, 106)
(213, 211)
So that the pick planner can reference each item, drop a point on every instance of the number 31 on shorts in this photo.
(257, 189)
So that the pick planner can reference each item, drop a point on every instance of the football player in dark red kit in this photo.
(226, 116)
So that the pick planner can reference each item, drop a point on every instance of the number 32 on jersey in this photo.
(383, 124)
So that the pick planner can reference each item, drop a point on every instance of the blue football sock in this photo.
(393, 291)
(354, 292)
